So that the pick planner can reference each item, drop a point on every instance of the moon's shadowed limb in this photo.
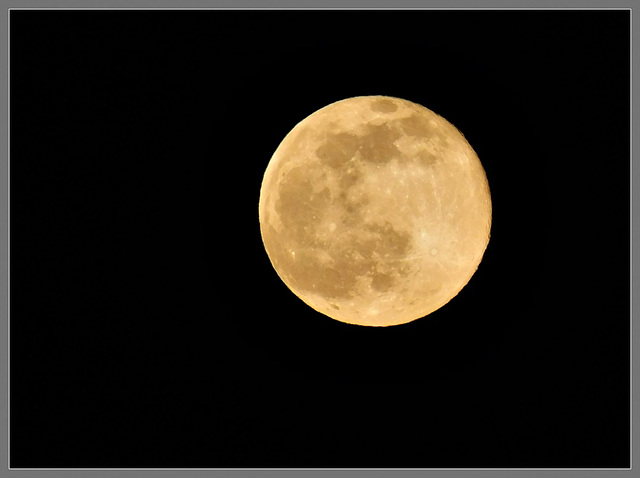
(375, 211)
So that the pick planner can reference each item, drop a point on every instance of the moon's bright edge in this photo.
(375, 211)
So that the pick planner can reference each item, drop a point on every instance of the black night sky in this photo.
(148, 328)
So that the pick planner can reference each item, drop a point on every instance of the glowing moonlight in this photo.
(375, 211)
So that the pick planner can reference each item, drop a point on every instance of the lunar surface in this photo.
(375, 211)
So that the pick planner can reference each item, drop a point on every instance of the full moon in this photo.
(375, 211)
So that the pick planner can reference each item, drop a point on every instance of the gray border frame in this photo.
(282, 5)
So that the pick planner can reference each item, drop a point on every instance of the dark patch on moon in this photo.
(384, 106)
(338, 149)
(336, 276)
(434, 288)
(348, 179)
(298, 206)
(377, 145)
(353, 211)
(416, 126)
(304, 270)
(388, 242)
(331, 280)
(427, 158)
(382, 282)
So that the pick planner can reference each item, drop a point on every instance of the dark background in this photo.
(148, 328)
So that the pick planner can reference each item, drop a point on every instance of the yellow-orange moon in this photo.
(375, 211)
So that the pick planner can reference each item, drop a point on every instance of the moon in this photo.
(375, 211)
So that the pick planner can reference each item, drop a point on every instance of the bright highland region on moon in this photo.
(375, 211)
